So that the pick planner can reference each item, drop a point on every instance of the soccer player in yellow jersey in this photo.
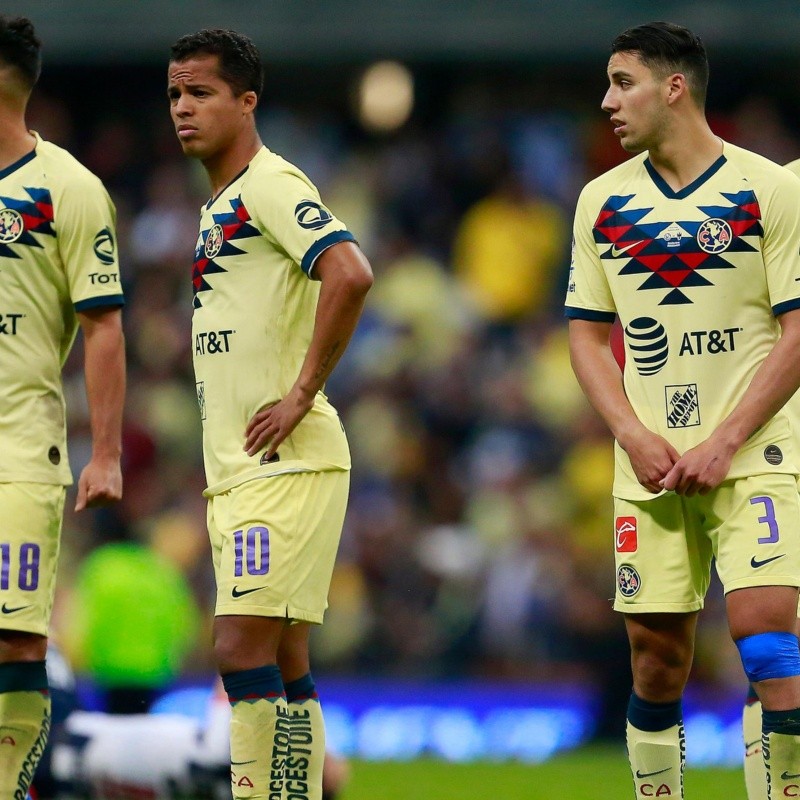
(279, 285)
(695, 245)
(58, 271)
(754, 771)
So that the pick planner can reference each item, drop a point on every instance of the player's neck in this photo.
(224, 166)
(16, 140)
(684, 156)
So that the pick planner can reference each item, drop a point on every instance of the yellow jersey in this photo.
(253, 319)
(697, 278)
(58, 255)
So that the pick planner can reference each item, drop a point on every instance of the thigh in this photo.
(30, 532)
(663, 563)
(756, 531)
(275, 541)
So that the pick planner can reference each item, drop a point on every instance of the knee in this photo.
(293, 658)
(769, 655)
(660, 668)
(242, 642)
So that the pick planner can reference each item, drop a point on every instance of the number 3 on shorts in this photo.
(768, 518)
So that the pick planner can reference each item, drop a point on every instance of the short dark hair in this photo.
(20, 48)
(665, 47)
(239, 61)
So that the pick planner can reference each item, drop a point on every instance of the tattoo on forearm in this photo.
(326, 360)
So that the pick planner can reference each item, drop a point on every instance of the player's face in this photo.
(208, 117)
(636, 101)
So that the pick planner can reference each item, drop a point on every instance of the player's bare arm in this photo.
(346, 278)
(100, 481)
(778, 377)
(597, 371)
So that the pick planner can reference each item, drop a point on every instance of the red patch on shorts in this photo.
(625, 538)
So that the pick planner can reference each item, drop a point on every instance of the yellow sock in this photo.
(259, 717)
(755, 773)
(24, 724)
(657, 761)
(303, 775)
(782, 760)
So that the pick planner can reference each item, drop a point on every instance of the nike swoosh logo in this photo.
(641, 775)
(7, 610)
(616, 252)
(236, 592)
(785, 776)
(748, 745)
(239, 763)
(755, 563)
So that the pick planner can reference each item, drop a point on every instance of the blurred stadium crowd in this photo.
(478, 539)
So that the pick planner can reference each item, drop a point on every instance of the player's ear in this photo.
(249, 102)
(676, 87)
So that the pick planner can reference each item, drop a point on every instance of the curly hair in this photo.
(239, 61)
(20, 48)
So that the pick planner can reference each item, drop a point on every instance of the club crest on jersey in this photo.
(11, 225)
(214, 241)
(648, 344)
(628, 580)
(312, 215)
(714, 236)
(683, 406)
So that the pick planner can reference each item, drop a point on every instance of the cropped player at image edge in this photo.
(58, 272)
(693, 243)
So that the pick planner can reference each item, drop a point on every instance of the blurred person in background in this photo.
(58, 271)
(133, 622)
(702, 421)
(279, 285)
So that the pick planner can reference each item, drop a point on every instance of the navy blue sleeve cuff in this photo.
(316, 249)
(789, 305)
(590, 316)
(106, 301)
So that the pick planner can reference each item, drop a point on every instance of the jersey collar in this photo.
(667, 191)
(20, 162)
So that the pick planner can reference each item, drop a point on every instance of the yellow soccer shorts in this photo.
(274, 543)
(30, 531)
(664, 546)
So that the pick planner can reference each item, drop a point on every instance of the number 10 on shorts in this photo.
(251, 550)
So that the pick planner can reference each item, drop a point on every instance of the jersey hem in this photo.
(285, 468)
(573, 312)
(16, 477)
(634, 497)
(788, 305)
(321, 245)
(110, 300)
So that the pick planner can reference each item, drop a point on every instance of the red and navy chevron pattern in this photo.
(669, 254)
(37, 217)
(235, 225)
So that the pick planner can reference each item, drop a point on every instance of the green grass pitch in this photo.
(592, 773)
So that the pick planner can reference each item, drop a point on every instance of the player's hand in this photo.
(652, 457)
(271, 425)
(100, 483)
(700, 469)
